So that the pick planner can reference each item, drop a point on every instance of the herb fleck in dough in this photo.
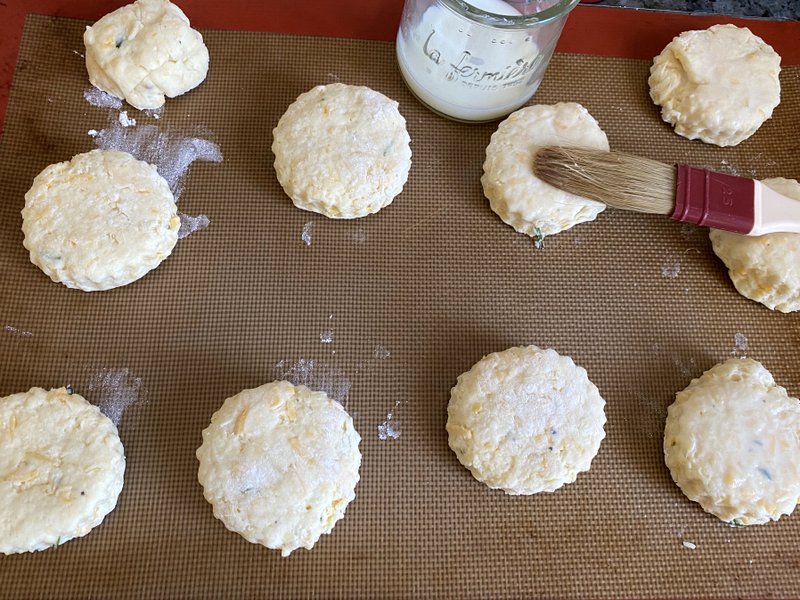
(99, 221)
(61, 469)
(732, 441)
(342, 151)
(145, 51)
(279, 465)
(525, 420)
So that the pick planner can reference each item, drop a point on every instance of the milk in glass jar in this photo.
(477, 60)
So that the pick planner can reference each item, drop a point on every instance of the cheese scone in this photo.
(99, 221)
(61, 469)
(279, 465)
(342, 151)
(718, 85)
(521, 199)
(525, 420)
(764, 268)
(145, 51)
(731, 443)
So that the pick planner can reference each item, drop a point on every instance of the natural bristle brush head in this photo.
(620, 180)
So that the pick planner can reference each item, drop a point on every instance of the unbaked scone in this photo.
(342, 151)
(525, 420)
(61, 469)
(144, 51)
(764, 268)
(732, 442)
(279, 465)
(99, 221)
(521, 199)
(718, 84)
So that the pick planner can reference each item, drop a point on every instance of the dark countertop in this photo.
(767, 9)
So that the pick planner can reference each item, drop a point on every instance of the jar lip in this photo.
(560, 9)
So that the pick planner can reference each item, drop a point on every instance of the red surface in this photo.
(590, 29)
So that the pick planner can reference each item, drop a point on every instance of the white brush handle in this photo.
(774, 212)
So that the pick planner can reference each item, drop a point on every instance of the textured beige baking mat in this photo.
(385, 312)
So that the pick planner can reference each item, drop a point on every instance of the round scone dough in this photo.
(99, 221)
(525, 420)
(521, 199)
(731, 443)
(718, 84)
(279, 465)
(764, 268)
(61, 469)
(342, 151)
(144, 51)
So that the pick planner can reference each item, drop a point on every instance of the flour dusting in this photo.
(326, 337)
(389, 429)
(316, 376)
(380, 352)
(170, 153)
(125, 120)
(191, 224)
(116, 390)
(249, 477)
(306, 233)
(726, 167)
(154, 112)
(671, 268)
(386, 430)
(17, 332)
(101, 99)
(686, 365)
(685, 368)
(739, 345)
(360, 236)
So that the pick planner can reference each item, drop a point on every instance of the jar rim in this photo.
(464, 8)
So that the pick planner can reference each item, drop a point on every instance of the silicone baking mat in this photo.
(385, 312)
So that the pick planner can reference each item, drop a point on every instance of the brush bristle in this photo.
(620, 180)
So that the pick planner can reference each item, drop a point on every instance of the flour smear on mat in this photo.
(315, 375)
(101, 99)
(671, 267)
(172, 154)
(305, 235)
(16, 331)
(114, 391)
(125, 120)
(739, 345)
(389, 429)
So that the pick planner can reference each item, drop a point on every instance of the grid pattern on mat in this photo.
(437, 281)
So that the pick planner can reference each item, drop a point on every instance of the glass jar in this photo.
(477, 61)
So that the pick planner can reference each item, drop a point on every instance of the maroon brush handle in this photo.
(714, 200)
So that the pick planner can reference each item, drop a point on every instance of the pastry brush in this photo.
(687, 194)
